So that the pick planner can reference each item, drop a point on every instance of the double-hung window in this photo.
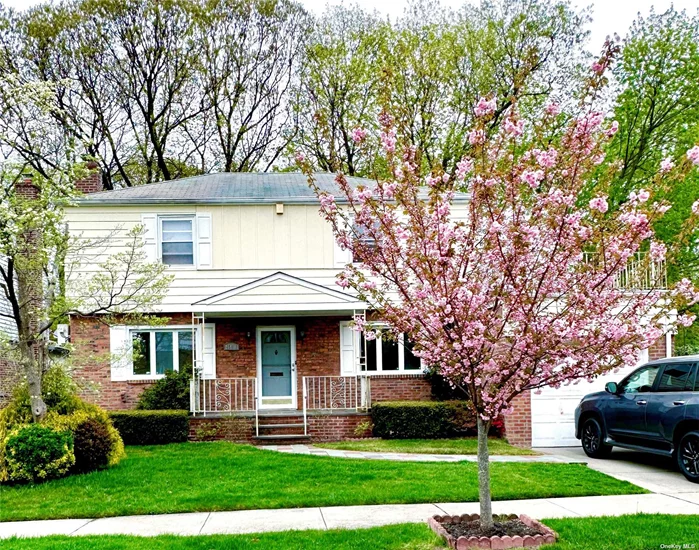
(158, 351)
(388, 355)
(177, 240)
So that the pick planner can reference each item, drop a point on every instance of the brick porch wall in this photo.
(241, 429)
(403, 387)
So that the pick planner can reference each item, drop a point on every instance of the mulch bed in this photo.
(503, 526)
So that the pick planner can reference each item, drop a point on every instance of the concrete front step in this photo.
(272, 426)
(275, 437)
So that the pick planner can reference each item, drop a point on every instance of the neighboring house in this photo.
(8, 331)
(254, 306)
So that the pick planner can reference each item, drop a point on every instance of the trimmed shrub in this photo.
(421, 419)
(92, 445)
(151, 427)
(35, 453)
(66, 412)
(171, 392)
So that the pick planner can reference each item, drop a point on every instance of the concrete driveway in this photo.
(652, 472)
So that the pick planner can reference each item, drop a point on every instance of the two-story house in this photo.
(255, 308)
(254, 303)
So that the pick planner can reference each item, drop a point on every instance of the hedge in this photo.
(151, 427)
(421, 419)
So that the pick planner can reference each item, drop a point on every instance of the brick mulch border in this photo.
(548, 535)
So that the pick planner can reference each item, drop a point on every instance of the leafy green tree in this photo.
(338, 89)
(658, 113)
(39, 257)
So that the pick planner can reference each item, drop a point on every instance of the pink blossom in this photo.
(514, 128)
(599, 204)
(658, 251)
(553, 109)
(368, 285)
(388, 140)
(695, 208)
(463, 167)
(532, 177)
(485, 107)
(359, 135)
(686, 319)
(613, 129)
(476, 137)
(666, 165)
(300, 157)
(643, 195)
(327, 202)
(693, 155)
(547, 159)
(598, 67)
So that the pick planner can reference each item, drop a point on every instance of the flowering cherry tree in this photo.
(507, 274)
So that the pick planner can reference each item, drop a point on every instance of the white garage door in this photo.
(553, 410)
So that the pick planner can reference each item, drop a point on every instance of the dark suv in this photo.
(654, 409)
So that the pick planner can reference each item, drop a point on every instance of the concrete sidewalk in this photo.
(415, 457)
(347, 517)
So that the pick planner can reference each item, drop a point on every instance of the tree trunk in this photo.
(32, 367)
(484, 474)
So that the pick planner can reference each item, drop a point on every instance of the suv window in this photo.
(640, 381)
(675, 377)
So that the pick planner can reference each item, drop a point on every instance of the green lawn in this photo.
(642, 532)
(463, 446)
(198, 477)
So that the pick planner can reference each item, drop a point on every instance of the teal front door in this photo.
(277, 367)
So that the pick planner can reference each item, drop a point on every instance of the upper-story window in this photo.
(367, 241)
(177, 241)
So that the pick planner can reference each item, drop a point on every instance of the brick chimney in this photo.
(26, 189)
(92, 183)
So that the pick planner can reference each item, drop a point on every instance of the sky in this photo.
(610, 16)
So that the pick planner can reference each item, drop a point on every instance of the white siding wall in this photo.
(248, 242)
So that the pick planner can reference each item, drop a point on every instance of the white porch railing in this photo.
(336, 393)
(640, 273)
(223, 395)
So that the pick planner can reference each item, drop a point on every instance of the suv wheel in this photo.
(593, 440)
(688, 456)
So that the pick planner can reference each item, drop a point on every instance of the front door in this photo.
(276, 367)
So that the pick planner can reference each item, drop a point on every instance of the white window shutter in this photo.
(204, 242)
(348, 349)
(207, 350)
(120, 351)
(150, 236)
(341, 257)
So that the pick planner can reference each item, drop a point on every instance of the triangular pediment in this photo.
(278, 288)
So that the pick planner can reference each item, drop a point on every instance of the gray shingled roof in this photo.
(226, 188)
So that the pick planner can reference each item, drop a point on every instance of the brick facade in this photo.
(241, 429)
(518, 424)
(9, 376)
(317, 354)
(405, 387)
